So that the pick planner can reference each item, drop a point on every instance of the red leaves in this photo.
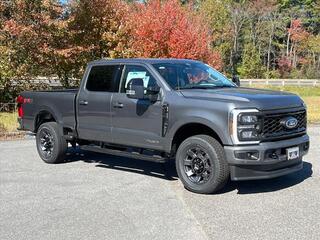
(284, 63)
(166, 29)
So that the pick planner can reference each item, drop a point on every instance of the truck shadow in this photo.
(167, 171)
(153, 169)
(270, 185)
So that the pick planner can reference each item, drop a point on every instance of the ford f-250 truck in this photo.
(160, 109)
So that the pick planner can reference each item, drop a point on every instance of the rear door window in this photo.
(104, 78)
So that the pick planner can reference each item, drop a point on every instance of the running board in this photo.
(135, 155)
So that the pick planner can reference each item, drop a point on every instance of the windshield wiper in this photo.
(225, 86)
(204, 87)
(193, 87)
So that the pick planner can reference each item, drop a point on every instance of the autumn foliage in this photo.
(54, 38)
(297, 32)
(166, 29)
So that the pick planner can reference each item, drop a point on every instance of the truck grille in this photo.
(273, 129)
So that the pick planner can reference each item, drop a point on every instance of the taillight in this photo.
(20, 101)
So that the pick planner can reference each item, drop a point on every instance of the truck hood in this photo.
(258, 98)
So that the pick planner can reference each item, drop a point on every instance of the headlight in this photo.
(248, 119)
(245, 126)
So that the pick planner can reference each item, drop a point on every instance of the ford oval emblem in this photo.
(289, 122)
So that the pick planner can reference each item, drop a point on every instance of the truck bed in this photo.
(59, 102)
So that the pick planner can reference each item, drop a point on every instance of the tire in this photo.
(201, 164)
(51, 145)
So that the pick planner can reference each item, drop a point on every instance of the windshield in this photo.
(192, 75)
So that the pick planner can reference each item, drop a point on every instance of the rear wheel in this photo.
(201, 164)
(51, 145)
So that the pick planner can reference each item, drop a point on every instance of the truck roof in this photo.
(142, 60)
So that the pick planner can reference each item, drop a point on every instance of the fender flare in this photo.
(44, 108)
(194, 120)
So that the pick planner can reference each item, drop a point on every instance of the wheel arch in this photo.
(44, 115)
(189, 129)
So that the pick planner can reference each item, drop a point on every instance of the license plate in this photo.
(292, 153)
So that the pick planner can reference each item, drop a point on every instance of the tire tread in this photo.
(60, 152)
(220, 162)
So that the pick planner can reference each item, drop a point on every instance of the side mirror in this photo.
(152, 93)
(135, 88)
(236, 80)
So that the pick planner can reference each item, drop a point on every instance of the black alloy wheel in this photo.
(46, 142)
(51, 144)
(197, 165)
(201, 164)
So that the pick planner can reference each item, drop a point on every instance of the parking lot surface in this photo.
(95, 196)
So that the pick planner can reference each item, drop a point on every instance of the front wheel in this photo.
(51, 145)
(201, 164)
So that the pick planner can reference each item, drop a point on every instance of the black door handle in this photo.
(83, 102)
(118, 105)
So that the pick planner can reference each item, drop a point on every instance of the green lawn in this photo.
(301, 91)
(8, 122)
(313, 104)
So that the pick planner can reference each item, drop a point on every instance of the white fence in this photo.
(281, 82)
(55, 83)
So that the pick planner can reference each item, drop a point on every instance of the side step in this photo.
(135, 155)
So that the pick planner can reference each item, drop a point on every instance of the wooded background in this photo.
(252, 39)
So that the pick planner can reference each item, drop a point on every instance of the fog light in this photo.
(250, 155)
(253, 155)
(306, 146)
(249, 134)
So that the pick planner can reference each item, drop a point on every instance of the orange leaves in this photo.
(13, 28)
(101, 23)
(68, 52)
(297, 32)
(167, 29)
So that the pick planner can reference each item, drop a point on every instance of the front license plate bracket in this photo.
(293, 153)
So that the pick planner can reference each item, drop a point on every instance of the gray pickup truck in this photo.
(163, 109)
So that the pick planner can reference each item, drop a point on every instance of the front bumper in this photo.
(271, 162)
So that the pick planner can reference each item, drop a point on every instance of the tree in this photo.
(239, 16)
(87, 30)
(314, 49)
(251, 66)
(99, 26)
(298, 36)
(261, 27)
(24, 38)
(218, 18)
(258, 38)
(48, 38)
(167, 29)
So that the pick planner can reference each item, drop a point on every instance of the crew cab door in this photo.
(94, 102)
(136, 122)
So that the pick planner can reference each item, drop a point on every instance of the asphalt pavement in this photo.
(95, 196)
